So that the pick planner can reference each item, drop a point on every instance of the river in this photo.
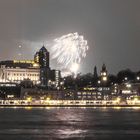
(69, 123)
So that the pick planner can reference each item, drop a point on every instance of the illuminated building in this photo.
(86, 95)
(129, 88)
(17, 71)
(103, 87)
(104, 73)
(36, 57)
(37, 70)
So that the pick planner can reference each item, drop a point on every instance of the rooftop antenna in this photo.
(43, 44)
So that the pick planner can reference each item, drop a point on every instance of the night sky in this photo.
(112, 28)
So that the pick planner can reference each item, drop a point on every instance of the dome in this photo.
(43, 49)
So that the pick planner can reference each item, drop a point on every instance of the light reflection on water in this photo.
(69, 123)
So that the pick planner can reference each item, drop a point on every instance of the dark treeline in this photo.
(89, 79)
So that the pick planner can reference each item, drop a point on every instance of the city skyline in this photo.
(111, 28)
(69, 69)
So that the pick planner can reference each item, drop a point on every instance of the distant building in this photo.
(95, 76)
(104, 73)
(87, 95)
(129, 88)
(102, 84)
(103, 78)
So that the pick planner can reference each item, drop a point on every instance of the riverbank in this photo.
(100, 106)
(69, 103)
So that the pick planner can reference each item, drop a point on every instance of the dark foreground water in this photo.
(69, 123)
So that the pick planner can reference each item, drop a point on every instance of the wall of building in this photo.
(18, 74)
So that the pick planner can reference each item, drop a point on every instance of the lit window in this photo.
(104, 78)
(138, 78)
(104, 73)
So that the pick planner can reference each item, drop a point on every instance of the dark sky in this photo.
(112, 28)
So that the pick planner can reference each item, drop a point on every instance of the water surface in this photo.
(69, 123)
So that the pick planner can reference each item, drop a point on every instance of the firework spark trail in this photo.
(69, 49)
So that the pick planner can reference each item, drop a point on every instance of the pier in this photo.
(69, 103)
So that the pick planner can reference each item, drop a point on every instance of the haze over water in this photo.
(69, 123)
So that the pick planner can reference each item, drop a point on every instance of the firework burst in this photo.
(69, 49)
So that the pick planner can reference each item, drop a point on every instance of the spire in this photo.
(104, 67)
(95, 72)
(43, 48)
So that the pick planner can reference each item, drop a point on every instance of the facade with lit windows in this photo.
(37, 70)
(87, 95)
(36, 57)
(17, 71)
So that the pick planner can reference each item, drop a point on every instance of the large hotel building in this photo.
(37, 70)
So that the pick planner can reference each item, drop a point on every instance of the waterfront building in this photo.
(9, 91)
(37, 70)
(103, 78)
(48, 77)
(42, 94)
(129, 88)
(17, 71)
(87, 95)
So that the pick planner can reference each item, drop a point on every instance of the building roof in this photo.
(43, 49)
(17, 63)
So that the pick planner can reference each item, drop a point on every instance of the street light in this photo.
(29, 99)
(48, 98)
(128, 85)
(118, 100)
(138, 78)
(126, 78)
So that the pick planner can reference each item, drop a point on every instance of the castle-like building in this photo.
(103, 74)
(37, 70)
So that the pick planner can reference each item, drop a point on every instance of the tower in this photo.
(95, 75)
(36, 57)
(43, 58)
(104, 73)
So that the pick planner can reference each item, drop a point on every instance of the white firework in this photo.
(69, 49)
